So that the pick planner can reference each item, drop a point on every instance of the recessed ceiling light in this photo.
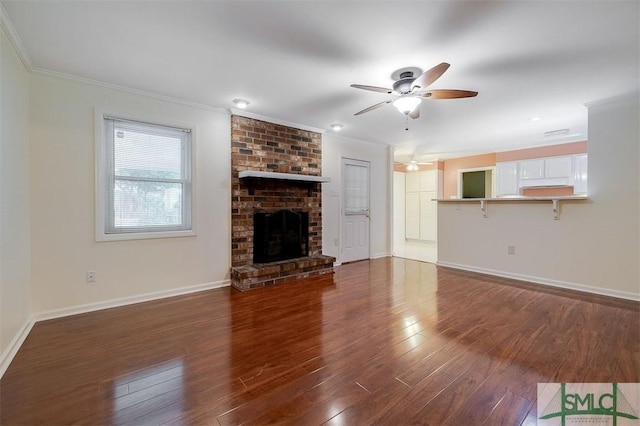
(241, 103)
(534, 119)
(337, 127)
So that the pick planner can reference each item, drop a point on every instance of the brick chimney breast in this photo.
(262, 146)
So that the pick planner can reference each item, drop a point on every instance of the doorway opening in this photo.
(476, 183)
(415, 213)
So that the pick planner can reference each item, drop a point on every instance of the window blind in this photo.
(148, 175)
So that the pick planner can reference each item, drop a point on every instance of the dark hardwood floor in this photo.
(387, 341)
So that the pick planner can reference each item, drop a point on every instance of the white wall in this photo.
(399, 210)
(15, 251)
(334, 148)
(63, 201)
(595, 246)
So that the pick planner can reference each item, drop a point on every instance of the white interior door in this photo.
(355, 210)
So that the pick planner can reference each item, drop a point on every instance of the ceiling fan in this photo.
(410, 88)
(413, 165)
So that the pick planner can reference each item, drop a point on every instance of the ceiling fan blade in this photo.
(415, 113)
(448, 94)
(428, 77)
(372, 107)
(372, 88)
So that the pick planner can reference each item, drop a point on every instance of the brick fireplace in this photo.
(284, 152)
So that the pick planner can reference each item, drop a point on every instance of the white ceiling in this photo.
(294, 61)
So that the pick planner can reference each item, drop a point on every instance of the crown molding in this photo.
(22, 53)
(12, 35)
(126, 89)
(348, 139)
(6, 24)
(243, 113)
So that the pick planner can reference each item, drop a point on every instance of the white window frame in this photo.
(103, 179)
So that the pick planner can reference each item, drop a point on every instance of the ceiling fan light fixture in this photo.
(241, 103)
(406, 104)
(412, 166)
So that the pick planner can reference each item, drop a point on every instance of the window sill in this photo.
(144, 235)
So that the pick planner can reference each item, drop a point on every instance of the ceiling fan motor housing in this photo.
(403, 86)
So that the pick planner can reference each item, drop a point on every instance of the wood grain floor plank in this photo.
(387, 341)
(450, 398)
(366, 409)
(479, 405)
(510, 410)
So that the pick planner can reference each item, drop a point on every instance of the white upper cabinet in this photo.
(428, 180)
(558, 167)
(412, 182)
(567, 170)
(422, 181)
(507, 178)
(580, 174)
(551, 171)
(532, 169)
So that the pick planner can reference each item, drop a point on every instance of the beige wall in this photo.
(333, 150)
(63, 201)
(63, 198)
(15, 251)
(594, 246)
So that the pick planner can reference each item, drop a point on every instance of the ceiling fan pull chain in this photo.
(406, 125)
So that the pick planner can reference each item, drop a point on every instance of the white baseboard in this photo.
(380, 255)
(129, 300)
(7, 355)
(10, 352)
(545, 281)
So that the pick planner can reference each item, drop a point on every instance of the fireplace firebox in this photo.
(280, 235)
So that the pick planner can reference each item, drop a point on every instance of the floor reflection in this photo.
(387, 341)
(423, 251)
(146, 391)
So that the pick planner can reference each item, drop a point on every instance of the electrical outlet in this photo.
(91, 276)
(511, 249)
(336, 242)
